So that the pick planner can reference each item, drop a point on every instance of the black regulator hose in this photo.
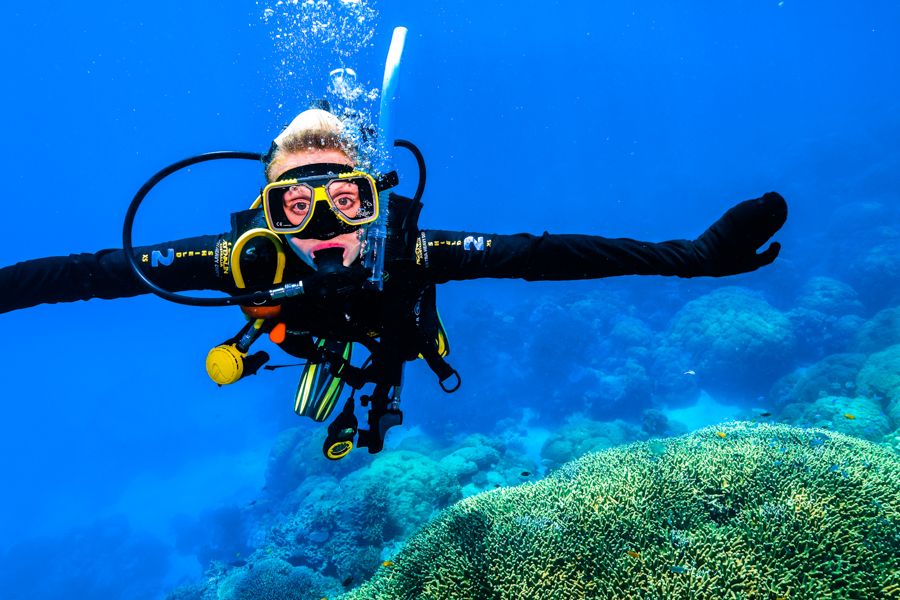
(244, 299)
(420, 160)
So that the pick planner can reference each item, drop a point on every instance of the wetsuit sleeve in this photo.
(453, 255)
(728, 247)
(196, 263)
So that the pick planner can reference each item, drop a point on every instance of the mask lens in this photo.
(289, 206)
(354, 198)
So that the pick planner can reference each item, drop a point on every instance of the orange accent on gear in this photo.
(261, 312)
(278, 333)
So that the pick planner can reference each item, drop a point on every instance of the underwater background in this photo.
(127, 473)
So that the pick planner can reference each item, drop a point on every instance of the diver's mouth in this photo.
(325, 246)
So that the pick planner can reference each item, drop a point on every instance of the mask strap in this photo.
(268, 156)
(387, 181)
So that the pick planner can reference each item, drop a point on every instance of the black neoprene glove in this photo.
(730, 245)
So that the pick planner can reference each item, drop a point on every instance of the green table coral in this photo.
(739, 511)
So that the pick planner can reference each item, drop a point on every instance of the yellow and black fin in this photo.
(319, 390)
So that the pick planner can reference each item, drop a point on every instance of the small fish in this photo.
(347, 581)
(690, 372)
(721, 434)
(526, 473)
(849, 416)
(633, 553)
(678, 569)
(387, 563)
(839, 469)
(765, 414)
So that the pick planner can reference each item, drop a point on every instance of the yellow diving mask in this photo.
(321, 201)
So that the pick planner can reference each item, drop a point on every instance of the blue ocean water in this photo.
(125, 469)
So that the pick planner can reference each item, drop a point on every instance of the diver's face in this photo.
(351, 243)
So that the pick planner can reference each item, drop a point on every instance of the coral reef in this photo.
(834, 375)
(272, 578)
(580, 435)
(880, 376)
(733, 338)
(880, 331)
(601, 390)
(829, 296)
(336, 530)
(861, 416)
(296, 455)
(742, 510)
(472, 465)
(871, 268)
(819, 333)
(587, 346)
(864, 248)
(418, 486)
(217, 534)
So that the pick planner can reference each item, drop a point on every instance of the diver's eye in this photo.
(344, 196)
(297, 199)
(300, 207)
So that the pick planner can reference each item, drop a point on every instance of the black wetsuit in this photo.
(399, 323)
(431, 257)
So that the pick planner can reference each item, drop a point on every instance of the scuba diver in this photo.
(299, 262)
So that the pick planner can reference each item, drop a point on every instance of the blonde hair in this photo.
(313, 129)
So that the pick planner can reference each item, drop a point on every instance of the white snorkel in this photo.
(377, 233)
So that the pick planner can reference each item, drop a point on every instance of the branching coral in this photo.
(739, 511)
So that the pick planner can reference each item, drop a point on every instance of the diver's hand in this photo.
(730, 245)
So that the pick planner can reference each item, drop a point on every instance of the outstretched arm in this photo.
(189, 264)
(728, 247)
